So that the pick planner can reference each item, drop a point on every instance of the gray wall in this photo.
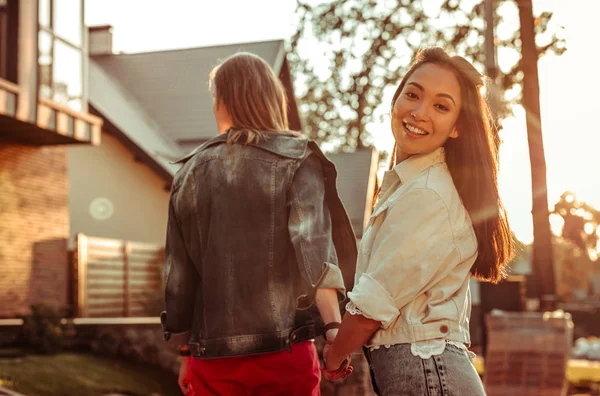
(138, 197)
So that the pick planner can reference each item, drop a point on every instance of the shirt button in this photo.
(444, 329)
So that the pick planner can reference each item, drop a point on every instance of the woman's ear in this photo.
(454, 134)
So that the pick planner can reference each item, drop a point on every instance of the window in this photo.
(67, 73)
(44, 13)
(60, 45)
(67, 19)
(45, 63)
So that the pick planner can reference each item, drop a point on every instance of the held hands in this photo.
(335, 369)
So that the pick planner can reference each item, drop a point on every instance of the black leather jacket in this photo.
(253, 231)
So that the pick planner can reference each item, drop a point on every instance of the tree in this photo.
(542, 260)
(367, 46)
(581, 223)
(576, 248)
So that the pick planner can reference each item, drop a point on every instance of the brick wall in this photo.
(34, 227)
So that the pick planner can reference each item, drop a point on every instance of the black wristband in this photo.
(184, 351)
(330, 326)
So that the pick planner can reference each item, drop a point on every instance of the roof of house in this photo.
(129, 117)
(172, 86)
(159, 105)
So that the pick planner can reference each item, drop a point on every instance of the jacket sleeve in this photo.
(414, 242)
(181, 279)
(310, 231)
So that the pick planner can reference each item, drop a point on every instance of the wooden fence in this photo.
(116, 278)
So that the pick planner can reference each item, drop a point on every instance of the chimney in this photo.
(100, 40)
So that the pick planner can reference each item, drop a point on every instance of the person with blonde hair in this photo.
(438, 221)
(256, 234)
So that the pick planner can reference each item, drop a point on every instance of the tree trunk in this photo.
(491, 69)
(542, 245)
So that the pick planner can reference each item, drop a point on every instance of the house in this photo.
(43, 112)
(156, 107)
(61, 87)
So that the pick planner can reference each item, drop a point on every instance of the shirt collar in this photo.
(416, 164)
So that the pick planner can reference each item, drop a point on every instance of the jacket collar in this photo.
(415, 165)
(286, 146)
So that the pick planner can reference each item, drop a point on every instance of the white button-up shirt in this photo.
(415, 257)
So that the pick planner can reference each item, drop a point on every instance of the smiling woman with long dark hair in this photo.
(438, 220)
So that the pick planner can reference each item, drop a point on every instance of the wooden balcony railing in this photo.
(68, 122)
(75, 126)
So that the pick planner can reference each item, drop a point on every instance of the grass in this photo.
(84, 374)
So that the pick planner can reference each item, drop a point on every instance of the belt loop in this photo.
(196, 349)
(292, 338)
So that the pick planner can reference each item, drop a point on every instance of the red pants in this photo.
(280, 373)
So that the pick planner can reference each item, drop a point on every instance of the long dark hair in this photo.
(472, 161)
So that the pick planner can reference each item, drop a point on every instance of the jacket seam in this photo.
(293, 167)
(276, 318)
(201, 255)
(204, 160)
(193, 185)
(250, 336)
(282, 154)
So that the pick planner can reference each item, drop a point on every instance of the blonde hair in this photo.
(253, 96)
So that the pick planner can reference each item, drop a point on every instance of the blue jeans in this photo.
(397, 371)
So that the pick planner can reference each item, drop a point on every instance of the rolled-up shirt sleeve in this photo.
(414, 242)
(309, 227)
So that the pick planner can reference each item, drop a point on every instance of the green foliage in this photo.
(365, 47)
(581, 223)
(45, 330)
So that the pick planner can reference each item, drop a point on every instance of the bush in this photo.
(45, 330)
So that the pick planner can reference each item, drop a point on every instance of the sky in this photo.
(569, 84)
